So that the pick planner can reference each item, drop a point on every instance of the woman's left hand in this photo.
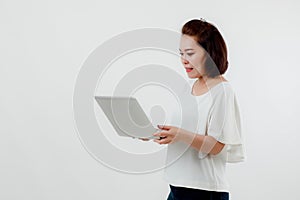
(170, 134)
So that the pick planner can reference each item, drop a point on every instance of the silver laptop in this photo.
(127, 116)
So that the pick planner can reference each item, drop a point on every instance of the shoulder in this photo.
(222, 90)
(223, 96)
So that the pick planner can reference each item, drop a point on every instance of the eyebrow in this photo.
(186, 49)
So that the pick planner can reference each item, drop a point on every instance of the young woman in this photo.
(199, 173)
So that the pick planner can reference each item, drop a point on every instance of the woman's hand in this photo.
(170, 134)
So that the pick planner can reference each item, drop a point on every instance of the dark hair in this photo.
(208, 36)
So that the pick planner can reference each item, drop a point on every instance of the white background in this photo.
(43, 45)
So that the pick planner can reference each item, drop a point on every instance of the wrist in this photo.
(185, 136)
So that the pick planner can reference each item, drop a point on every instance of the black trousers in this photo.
(182, 193)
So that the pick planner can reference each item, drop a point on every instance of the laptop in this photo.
(127, 117)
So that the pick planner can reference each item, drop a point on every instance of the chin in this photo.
(193, 76)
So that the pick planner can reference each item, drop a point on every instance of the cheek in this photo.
(197, 62)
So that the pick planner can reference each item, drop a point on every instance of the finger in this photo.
(164, 127)
(157, 133)
(158, 139)
(163, 141)
(162, 134)
(144, 139)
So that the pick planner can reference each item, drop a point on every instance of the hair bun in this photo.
(202, 19)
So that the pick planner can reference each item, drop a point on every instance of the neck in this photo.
(207, 81)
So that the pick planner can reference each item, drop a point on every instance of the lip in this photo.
(188, 69)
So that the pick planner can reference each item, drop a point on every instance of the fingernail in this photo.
(158, 126)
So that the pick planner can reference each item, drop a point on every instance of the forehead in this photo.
(188, 42)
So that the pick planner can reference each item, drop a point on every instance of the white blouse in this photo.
(215, 113)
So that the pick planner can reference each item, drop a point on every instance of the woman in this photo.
(199, 173)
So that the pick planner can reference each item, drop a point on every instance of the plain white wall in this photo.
(43, 45)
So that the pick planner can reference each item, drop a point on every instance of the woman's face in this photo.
(192, 56)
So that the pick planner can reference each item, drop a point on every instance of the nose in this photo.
(184, 60)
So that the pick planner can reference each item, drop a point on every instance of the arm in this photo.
(203, 143)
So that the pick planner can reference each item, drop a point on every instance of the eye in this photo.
(189, 54)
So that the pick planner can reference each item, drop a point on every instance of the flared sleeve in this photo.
(224, 123)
